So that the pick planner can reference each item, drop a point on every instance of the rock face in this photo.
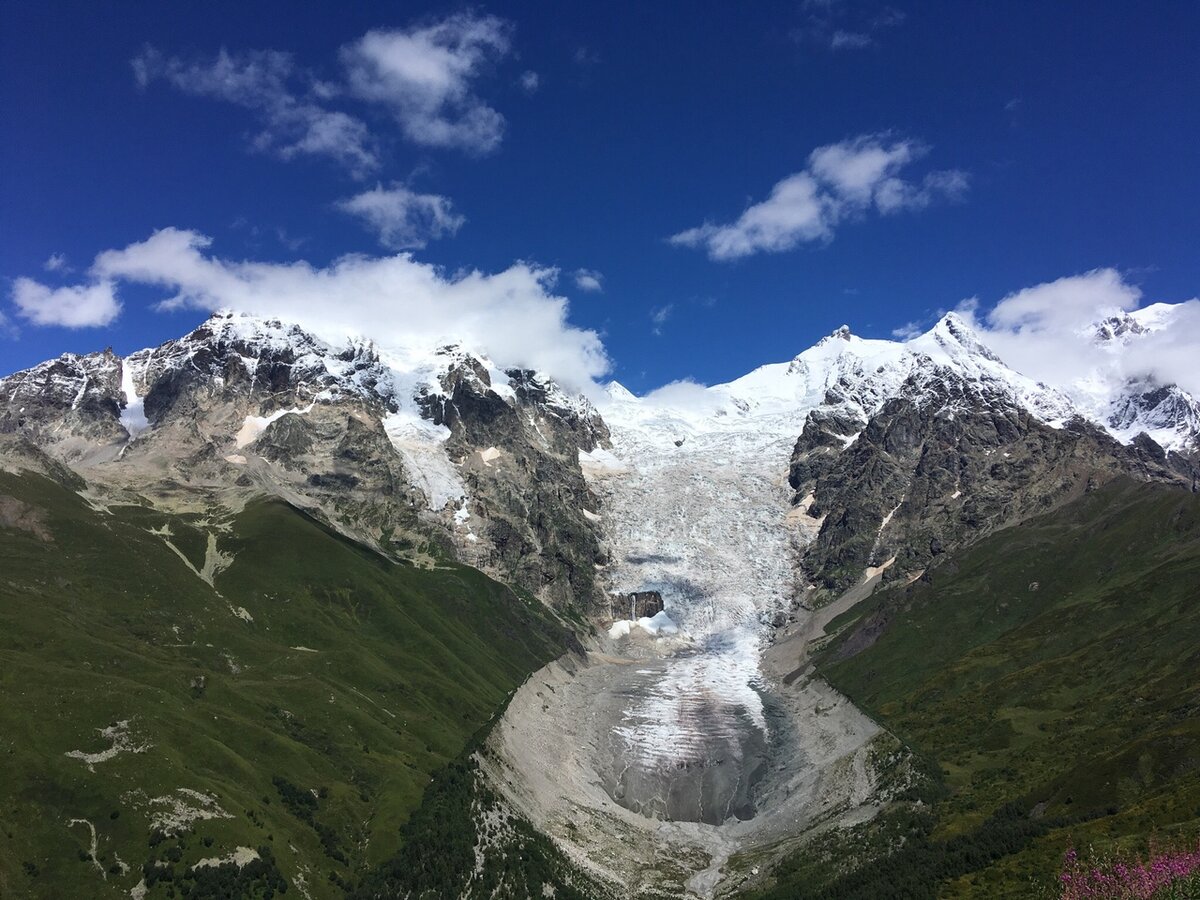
(412, 452)
(638, 605)
(519, 461)
(74, 400)
(937, 468)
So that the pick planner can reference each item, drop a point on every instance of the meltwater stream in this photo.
(699, 515)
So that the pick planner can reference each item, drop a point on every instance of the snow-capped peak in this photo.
(954, 339)
(1118, 330)
(617, 391)
(856, 374)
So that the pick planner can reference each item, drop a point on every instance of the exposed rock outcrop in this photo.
(637, 605)
(403, 453)
(938, 468)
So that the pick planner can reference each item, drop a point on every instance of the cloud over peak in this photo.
(841, 181)
(512, 315)
(1048, 331)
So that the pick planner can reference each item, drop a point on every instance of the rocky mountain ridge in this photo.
(905, 450)
(409, 448)
(403, 452)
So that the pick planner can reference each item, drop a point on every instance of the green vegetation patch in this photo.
(179, 720)
(1052, 674)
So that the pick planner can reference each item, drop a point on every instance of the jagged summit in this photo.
(853, 375)
(857, 375)
(284, 365)
(1121, 328)
(842, 333)
(954, 336)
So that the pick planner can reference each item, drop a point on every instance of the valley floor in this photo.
(654, 760)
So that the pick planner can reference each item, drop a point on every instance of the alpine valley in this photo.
(285, 610)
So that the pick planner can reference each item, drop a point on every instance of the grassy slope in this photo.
(1055, 665)
(107, 623)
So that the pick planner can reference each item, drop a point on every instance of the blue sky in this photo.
(1004, 146)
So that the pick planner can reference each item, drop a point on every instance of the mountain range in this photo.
(231, 526)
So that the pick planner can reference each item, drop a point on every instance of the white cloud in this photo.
(530, 82)
(1065, 303)
(685, 395)
(292, 124)
(589, 280)
(426, 76)
(908, 330)
(841, 181)
(659, 316)
(895, 195)
(512, 315)
(403, 219)
(76, 306)
(855, 168)
(1047, 331)
(57, 262)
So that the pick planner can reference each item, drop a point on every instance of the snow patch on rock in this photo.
(253, 427)
(133, 413)
(421, 445)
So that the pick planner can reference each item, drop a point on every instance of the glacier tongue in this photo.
(697, 514)
(696, 506)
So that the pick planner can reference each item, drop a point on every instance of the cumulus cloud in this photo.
(685, 395)
(74, 306)
(842, 181)
(1048, 332)
(589, 280)
(426, 75)
(530, 82)
(403, 219)
(513, 315)
(294, 120)
(1064, 303)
